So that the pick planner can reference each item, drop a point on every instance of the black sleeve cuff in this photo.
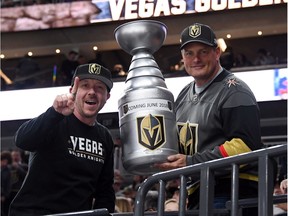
(189, 160)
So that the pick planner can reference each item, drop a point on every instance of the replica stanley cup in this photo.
(146, 109)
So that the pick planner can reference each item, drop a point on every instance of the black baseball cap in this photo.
(198, 33)
(93, 71)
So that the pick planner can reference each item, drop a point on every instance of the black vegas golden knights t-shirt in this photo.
(70, 164)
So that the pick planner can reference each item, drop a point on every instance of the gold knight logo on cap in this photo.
(94, 69)
(194, 31)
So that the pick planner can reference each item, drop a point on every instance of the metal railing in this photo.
(206, 171)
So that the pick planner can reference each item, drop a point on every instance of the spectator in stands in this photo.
(172, 192)
(280, 209)
(82, 60)
(71, 154)
(68, 67)
(18, 171)
(98, 59)
(131, 189)
(171, 187)
(280, 186)
(123, 204)
(118, 180)
(25, 72)
(284, 186)
(227, 58)
(171, 205)
(17, 159)
(264, 58)
(6, 161)
(118, 71)
(177, 67)
(217, 117)
(129, 192)
(242, 61)
(151, 201)
(282, 168)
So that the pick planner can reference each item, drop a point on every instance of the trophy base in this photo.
(141, 164)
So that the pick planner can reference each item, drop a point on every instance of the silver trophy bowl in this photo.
(146, 109)
(139, 35)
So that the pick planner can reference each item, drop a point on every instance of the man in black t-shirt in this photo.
(72, 155)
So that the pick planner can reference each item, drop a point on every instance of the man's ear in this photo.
(218, 52)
